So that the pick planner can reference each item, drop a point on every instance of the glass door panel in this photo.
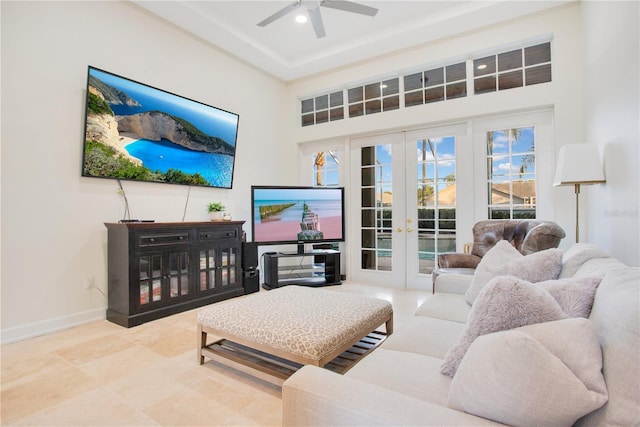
(379, 225)
(178, 274)
(208, 269)
(150, 284)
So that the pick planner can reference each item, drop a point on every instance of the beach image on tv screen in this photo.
(297, 215)
(134, 131)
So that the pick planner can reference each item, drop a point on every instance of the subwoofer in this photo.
(251, 281)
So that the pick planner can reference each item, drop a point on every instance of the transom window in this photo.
(435, 85)
(322, 108)
(521, 67)
(374, 97)
(516, 68)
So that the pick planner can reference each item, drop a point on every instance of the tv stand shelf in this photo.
(315, 268)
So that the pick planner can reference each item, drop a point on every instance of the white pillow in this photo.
(505, 260)
(542, 374)
(505, 303)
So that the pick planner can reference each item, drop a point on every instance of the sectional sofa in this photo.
(473, 356)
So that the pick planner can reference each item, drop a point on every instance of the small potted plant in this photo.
(216, 211)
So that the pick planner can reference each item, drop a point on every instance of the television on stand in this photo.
(283, 215)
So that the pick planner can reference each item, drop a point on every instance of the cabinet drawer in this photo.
(229, 233)
(151, 240)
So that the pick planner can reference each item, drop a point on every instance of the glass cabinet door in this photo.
(178, 274)
(208, 267)
(150, 285)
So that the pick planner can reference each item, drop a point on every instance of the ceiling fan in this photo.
(313, 10)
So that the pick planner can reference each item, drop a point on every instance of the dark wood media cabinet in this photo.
(159, 269)
(315, 268)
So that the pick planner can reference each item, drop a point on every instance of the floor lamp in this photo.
(578, 164)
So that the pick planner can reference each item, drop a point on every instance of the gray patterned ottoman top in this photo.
(304, 321)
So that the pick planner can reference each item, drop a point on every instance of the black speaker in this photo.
(249, 256)
(251, 281)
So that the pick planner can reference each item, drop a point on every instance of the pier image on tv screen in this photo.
(137, 132)
(297, 214)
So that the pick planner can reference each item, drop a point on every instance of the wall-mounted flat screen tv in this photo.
(137, 132)
(288, 215)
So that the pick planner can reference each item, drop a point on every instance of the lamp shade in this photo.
(578, 164)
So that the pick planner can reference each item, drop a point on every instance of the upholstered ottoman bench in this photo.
(277, 332)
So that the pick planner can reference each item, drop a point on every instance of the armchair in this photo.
(526, 235)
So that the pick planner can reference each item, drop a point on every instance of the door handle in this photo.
(409, 230)
(399, 230)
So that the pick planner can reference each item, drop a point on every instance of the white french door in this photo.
(403, 207)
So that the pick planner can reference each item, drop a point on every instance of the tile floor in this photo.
(101, 374)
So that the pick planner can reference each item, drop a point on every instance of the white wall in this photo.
(52, 219)
(610, 212)
(563, 96)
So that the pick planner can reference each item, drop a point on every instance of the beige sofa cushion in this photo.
(543, 374)
(446, 307)
(408, 373)
(503, 259)
(425, 335)
(616, 317)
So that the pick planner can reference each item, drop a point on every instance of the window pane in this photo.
(412, 82)
(456, 72)
(539, 74)
(484, 85)
(391, 103)
(510, 80)
(356, 110)
(389, 87)
(336, 99)
(307, 119)
(510, 60)
(368, 218)
(413, 98)
(434, 77)
(355, 94)
(322, 102)
(307, 105)
(368, 176)
(372, 91)
(322, 117)
(537, 54)
(374, 106)
(337, 114)
(483, 66)
(434, 95)
(457, 90)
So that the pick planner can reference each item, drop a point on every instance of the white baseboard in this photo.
(44, 327)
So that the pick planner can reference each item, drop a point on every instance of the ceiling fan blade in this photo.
(279, 14)
(349, 6)
(316, 20)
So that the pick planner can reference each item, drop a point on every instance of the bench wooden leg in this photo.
(389, 325)
(202, 342)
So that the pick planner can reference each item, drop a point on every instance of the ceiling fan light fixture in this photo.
(301, 19)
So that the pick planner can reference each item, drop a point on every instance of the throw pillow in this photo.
(506, 302)
(542, 374)
(537, 267)
(574, 295)
(577, 255)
